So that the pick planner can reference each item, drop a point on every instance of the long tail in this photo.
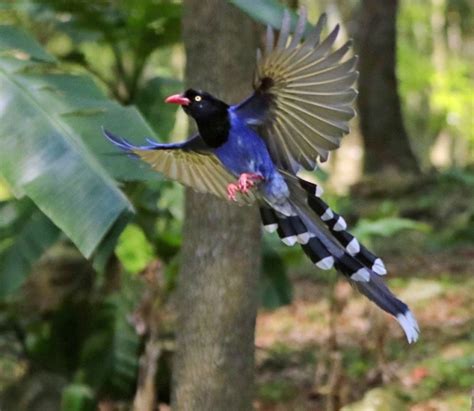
(323, 237)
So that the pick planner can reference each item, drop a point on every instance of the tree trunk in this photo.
(217, 291)
(386, 142)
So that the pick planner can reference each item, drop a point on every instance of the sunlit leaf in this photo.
(133, 249)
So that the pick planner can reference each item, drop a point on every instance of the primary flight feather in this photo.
(251, 152)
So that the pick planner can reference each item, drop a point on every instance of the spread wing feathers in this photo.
(306, 91)
(188, 163)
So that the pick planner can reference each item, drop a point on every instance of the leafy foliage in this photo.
(59, 111)
(43, 133)
(386, 227)
(125, 33)
(77, 397)
(109, 360)
(25, 233)
(53, 101)
(133, 249)
(438, 91)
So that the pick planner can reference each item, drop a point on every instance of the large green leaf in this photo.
(50, 140)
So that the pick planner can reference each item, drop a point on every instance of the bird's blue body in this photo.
(246, 152)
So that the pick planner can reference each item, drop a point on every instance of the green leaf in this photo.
(44, 159)
(50, 134)
(14, 40)
(133, 250)
(80, 105)
(25, 239)
(388, 226)
(109, 359)
(78, 397)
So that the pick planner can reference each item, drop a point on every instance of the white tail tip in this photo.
(353, 247)
(319, 191)
(379, 267)
(291, 240)
(362, 275)
(325, 263)
(327, 215)
(270, 228)
(303, 238)
(409, 325)
(340, 224)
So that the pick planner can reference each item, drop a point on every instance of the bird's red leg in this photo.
(248, 180)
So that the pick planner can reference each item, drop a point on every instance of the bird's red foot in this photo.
(248, 180)
(245, 182)
(232, 190)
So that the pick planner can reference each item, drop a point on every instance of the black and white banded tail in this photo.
(322, 234)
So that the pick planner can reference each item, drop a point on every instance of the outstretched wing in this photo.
(303, 96)
(189, 162)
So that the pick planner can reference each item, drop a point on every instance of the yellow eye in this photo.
(197, 98)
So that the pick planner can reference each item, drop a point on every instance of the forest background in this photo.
(105, 301)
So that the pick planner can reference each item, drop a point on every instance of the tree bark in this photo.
(386, 142)
(217, 292)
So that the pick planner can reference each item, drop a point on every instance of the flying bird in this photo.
(251, 152)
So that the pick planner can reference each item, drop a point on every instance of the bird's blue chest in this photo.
(244, 151)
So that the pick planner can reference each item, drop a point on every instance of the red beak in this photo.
(178, 99)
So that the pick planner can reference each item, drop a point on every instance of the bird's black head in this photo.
(210, 114)
(202, 106)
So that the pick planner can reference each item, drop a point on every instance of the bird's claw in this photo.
(245, 182)
(248, 180)
(232, 190)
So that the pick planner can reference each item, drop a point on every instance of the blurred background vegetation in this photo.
(87, 305)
